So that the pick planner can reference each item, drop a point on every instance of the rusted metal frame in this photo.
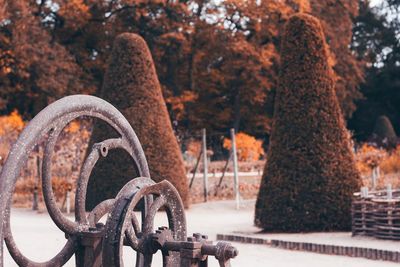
(119, 222)
(195, 250)
(46, 120)
(99, 150)
(176, 249)
(93, 243)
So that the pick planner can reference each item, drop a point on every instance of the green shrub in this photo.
(132, 86)
(310, 173)
(383, 133)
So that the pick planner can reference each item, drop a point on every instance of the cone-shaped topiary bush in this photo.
(132, 86)
(384, 133)
(310, 175)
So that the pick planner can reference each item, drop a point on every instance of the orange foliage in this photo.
(78, 129)
(303, 5)
(12, 123)
(178, 102)
(73, 127)
(6, 61)
(369, 157)
(77, 12)
(228, 64)
(248, 148)
(60, 186)
(26, 186)
(391, 163)
(193, 147)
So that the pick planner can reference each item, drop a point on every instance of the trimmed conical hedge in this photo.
(384, 133)
(310, 175)
(132, 86)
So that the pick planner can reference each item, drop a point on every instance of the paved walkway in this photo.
(39, 238)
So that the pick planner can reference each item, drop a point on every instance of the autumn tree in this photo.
(248, 18)
(34, 68)
(337, 22)
(310, 175)
(132, 86)
(210, 58)
(375, 41)
(234, 87)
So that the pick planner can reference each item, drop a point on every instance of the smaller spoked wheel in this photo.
(123, 229)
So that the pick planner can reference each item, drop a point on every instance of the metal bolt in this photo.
(232, 252)
(197, 236)
(99, 225)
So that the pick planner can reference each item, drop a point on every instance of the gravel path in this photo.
(39, 238)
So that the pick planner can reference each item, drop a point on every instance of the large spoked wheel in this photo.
(122, 226)
(50, 122)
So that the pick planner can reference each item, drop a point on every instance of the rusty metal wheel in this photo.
(50, 122)
(122, 227)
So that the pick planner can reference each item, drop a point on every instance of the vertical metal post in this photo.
(374, 178)
(389, 192)
(364, 192)
(68, 201)
(235, 168)
(205, 165)
(35, 204)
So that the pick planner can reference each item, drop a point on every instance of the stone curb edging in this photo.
(368, 253)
